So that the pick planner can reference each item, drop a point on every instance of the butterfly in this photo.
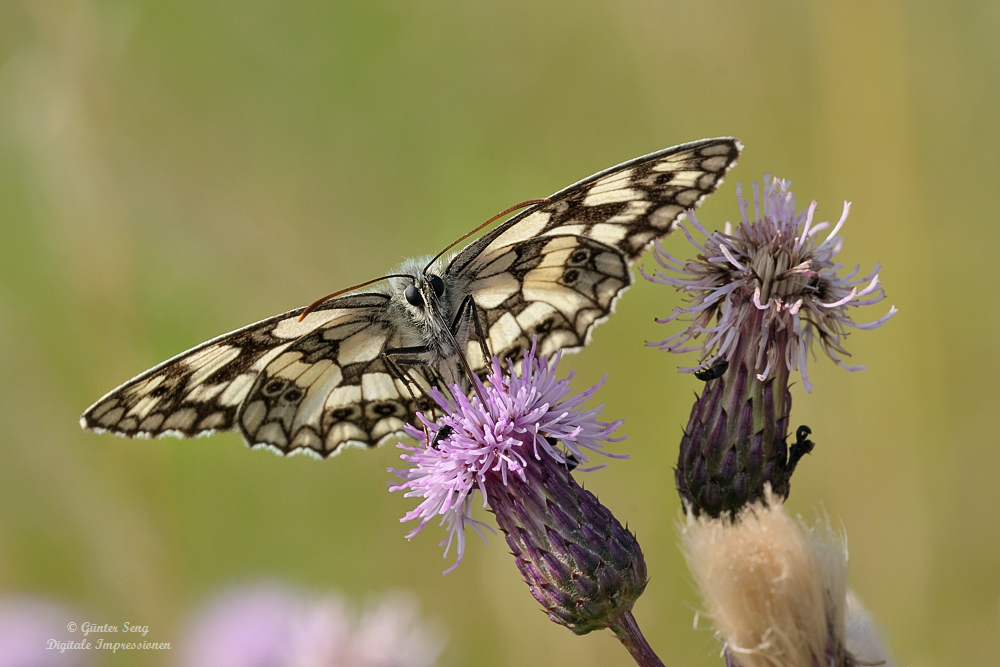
(354, 369)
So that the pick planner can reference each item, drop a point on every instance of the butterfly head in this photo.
(418, 293)
(424, 293)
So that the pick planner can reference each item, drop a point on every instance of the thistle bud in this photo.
(579, 562)
(760, 295)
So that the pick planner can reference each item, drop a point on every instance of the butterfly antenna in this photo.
(318, 302)
(530, 202)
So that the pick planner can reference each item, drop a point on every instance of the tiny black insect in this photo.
(714, 371)
(442, 434)
(801, 447)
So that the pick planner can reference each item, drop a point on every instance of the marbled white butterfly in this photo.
(355, 368)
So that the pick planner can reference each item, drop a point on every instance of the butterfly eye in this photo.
(436, 283)
(412, 295)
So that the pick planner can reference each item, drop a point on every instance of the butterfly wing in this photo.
(555, 287)
(333, 387)
(200, 391)
(555, 270)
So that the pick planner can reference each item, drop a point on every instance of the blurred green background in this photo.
(173, 170)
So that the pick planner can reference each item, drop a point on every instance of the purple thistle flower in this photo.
(517, 447)
(758, 296)
(771, 279)
(523, 415)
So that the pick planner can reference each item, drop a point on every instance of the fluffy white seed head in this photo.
(776, 591)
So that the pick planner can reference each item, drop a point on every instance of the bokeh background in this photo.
(173, 170)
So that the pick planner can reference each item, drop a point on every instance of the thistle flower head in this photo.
(773, 269)
(758, 296)
(519, 420)
(517, 447)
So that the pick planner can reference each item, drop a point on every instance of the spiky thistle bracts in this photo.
(580, 563)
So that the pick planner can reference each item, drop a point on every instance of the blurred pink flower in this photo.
(275, 626)
(33, 633)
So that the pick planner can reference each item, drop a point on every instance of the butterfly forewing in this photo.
(555, 270)
(196, 392)
(200, 391)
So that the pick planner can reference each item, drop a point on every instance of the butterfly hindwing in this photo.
(333, 387)
(561, 287)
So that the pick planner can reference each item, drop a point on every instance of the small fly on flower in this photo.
(715, 370)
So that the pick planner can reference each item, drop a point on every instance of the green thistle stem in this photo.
(628, 633)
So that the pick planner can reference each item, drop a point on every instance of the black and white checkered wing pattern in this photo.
(333, 387)
(201, 391)
(555, 270)
(555, 288)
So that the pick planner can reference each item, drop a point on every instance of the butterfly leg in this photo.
(394, 359)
